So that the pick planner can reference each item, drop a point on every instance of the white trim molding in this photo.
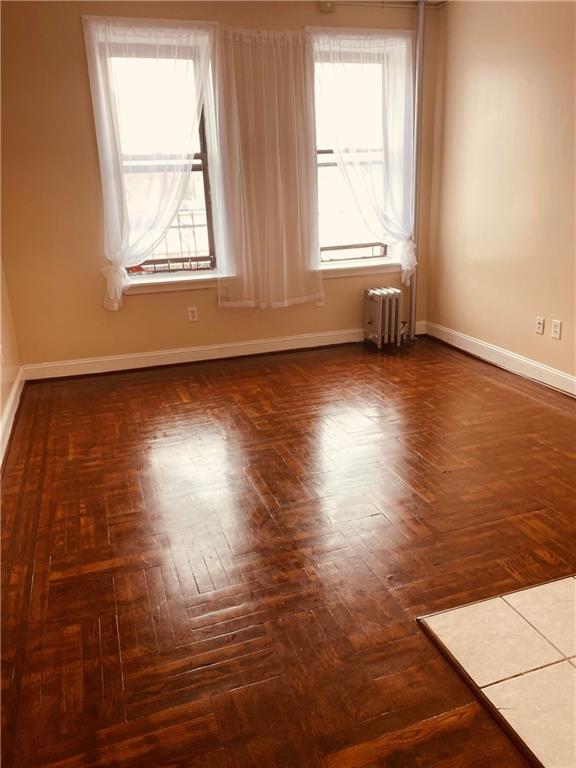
(355, 268)
(420, 327)
(504, 358)
(169, 282)
(9, 409)
(179, 281)
(189, 354)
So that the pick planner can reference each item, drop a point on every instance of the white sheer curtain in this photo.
(364, 93)
(148, 81)
(267, 240)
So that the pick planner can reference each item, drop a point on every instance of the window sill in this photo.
(159, 283)
(163, 283)
(353, 268)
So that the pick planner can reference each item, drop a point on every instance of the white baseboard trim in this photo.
(188, 354)
(9, 412)
(503, 358)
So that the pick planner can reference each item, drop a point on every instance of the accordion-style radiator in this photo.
(383, 316)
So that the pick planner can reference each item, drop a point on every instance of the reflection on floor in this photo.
(520, 651)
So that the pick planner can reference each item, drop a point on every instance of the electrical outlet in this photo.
(192, 314)
(556, 329)
(539, 327)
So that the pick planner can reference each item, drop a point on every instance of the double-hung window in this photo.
(152, 99)
(142, 80)
(344, 233)
(363, 116)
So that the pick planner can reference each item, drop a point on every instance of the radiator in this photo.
(383, 316)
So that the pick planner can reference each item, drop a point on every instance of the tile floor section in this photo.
(520, 650)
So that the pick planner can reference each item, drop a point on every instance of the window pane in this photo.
(188, 235)
(340, 220)
(359, 87)
(186, 245)
(151, 108)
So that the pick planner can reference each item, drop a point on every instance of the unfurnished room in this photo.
(288, 384)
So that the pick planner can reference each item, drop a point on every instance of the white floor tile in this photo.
(491, 641)
(551, 608)
(541, 707)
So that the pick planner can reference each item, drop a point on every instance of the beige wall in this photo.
(52, 236)
(503, 244)
(497, 205)
(9, 355)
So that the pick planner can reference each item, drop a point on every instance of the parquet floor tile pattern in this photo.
(221, 564)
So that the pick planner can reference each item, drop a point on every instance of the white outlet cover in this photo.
(556, 329)
(539, 326)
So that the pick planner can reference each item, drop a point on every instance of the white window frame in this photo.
(360, 266)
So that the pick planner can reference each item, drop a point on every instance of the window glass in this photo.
(344, 234)
(146, 89)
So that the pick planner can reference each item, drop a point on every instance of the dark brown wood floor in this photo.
(221, 564)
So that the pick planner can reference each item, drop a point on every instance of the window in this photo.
(344, 233)
(158, 130)
(363, 138)
(188, 245)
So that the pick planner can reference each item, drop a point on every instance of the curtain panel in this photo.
(372, 138)
(147, 119)
(269, 237)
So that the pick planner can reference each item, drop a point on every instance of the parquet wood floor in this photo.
(220, 564)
